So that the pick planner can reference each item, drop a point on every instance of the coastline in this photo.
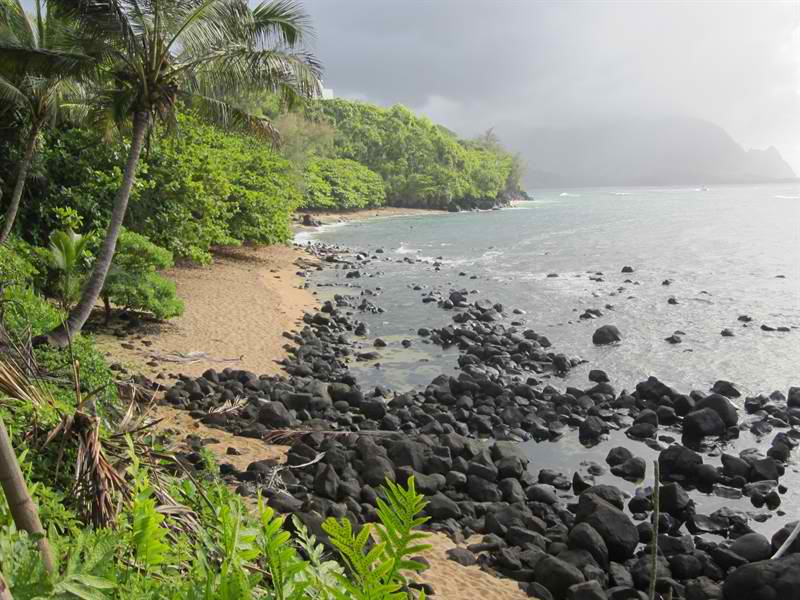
(315, 377)
(309, 221)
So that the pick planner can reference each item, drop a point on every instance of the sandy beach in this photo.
(237, 309)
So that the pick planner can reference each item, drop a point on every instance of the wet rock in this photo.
(752, 546)
(598, 376)
(703, 422)
(780, 536)
(674, 499)
(377, 470)
(607, 334)
(613, 525)
(722, 406)
(618, 455)
(585, 537)
(588, 590)
(440, 507)
(733, 466)
(726, 388)
(592, 428)
(632, 469)
(768, 579)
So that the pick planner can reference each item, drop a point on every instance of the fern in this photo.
(147, 536)
(321, 574)
(283, 563)
(399, 518)
(86, 574)
(377, 572)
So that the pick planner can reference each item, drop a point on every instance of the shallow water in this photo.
(721, 248)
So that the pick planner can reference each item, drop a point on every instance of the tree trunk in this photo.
(5, 591)
(22, 174)
(20, 503)
(94, 285)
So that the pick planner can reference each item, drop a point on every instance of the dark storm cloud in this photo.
(473, 64)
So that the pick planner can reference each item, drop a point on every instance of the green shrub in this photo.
(96, 377)
(133, 281)
(229, 555)
(342, 184)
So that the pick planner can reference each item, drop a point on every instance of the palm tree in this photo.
(38, 67)
(201, 52)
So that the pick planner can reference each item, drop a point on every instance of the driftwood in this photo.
(190, 357)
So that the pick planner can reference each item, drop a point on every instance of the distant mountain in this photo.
(659, 151)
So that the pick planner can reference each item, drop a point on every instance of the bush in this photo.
(133, 282)
(23, 309)
(342, 184)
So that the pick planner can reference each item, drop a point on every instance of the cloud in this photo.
(474, 64)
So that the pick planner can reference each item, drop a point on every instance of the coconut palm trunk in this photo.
(5, 592)
(19, 500)
(94, 285)
(22, 174)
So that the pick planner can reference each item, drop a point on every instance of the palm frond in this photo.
(280, 22)
(11, 94)
(231, 118)
(16, 24)
(18, 61)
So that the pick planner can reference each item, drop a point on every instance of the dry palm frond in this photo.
(229, 406)
(97, 483)
(14, 383)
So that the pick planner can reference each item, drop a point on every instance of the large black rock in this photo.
(607, 334)
(765, 580)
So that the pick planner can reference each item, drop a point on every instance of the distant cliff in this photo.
(663, 151)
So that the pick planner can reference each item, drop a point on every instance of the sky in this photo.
(518, 64)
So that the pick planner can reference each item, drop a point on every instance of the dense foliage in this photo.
(422, 164)
(198, 188)
(342, 184)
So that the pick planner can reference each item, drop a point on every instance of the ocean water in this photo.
(728, 251)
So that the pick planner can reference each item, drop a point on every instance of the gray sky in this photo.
(512, 64)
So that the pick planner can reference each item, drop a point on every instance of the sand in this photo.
(237, 309)
(327, 218)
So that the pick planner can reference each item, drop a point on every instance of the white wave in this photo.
(568, 195)
(405, 250)
(782, 197)
(308, 236)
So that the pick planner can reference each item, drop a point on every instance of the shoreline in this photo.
(308, 398)
(269, 274)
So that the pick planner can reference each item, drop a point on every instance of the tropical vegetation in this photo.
(135, 133)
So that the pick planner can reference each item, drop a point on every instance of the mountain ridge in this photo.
(645, 151)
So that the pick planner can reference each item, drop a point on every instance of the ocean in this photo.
(727, 251)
